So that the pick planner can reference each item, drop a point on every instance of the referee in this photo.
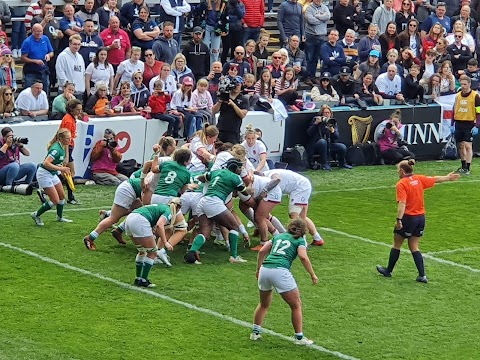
(466, 119)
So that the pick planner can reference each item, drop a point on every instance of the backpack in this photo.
(371, 151)
(128, 167)
(296, 158)
(449, 151)
(355, 155)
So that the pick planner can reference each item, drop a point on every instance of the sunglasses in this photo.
(137, 78)
(439, 43)
(326, 80)
(148, 55)
(277, 57)
(8, 94)
(458, 36)
(412, 25)
(8, 55)
(238, 53)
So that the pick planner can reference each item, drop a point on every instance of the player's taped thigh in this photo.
(293, 208)
(148, 250)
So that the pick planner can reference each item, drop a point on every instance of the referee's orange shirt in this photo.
(410, 190)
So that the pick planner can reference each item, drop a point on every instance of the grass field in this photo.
(60, 301)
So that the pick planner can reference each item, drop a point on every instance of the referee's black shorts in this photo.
(463, 131)
(413, 225)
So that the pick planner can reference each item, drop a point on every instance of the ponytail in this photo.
(249, 130)
(407, 166)
(173, 204)
(61, 134)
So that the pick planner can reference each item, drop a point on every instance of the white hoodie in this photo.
(70, 67)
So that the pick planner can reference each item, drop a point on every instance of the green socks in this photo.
(140, 259)
(233, 239)
(197, 243)
(147, 265)
(47, 205)
(60, 205)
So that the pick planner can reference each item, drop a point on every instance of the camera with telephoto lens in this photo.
(20, 140)
(388, 125)
(111, 143)
(328, 122)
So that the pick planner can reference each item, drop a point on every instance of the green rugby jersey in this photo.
(173, 177)
(284, 251)
(136, 185)
(222, 183)
(194, 180)
(57, 153)
(153, 212)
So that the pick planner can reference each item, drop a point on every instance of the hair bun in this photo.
(411, 162)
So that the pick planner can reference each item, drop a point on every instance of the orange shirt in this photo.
(410, 190)
(70, 123)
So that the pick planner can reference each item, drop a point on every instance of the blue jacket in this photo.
(235, 15)
(326, 52)
(290, 20)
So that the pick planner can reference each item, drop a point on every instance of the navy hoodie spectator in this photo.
(368, 43)
(91, 42)
(106, 12)
(87, 12)
(145, 30)
(166, 47)
(343, 17)
(332, 54)
(129, 12)
(243, 66)
(235, 14)
(197, 54)
(290, 20)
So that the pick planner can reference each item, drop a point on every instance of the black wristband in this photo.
(398, 219)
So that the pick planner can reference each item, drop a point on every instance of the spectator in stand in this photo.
(368, 43)
(87, 12)
(387, 40)
(290, 21)
(345, 86)
(350, 48)
(250, 56)
(202, 101)
(343, 14)
(123, 102)
(234, 37)
(5, 14)
(473, 72)
(33, 101)
(392, 59)
(71, 67)
(367, 91)
(145, 30)
(128, 67)
(59, 105)
(253, 20)
(11, 171)
(152, 67)
(3, 35)
(181, 105)
(325, 91)
(70, 25)
(407, 59)
(175, 11)
(7, 104)
(212, 38)
(358, 14)
(372, 5)
(323, 140)
(411, 87)
(383, 15)
(467, 38)
(36, 54)
(439, 17)
(371, 66)
(332, 55)
(404, 15)
(317, 15)
(286, 89)
(285, 59)
(388, 135)
(91, 42)
(129, 12)
(433, 86)
(99, 70)
(180, 70)
(104, 159)
(51, 28)
(32, 11)
(169, 84)
(197, 54)
(389, 84)
(297, 59)
(159, 102)
(249, 91)
(18, 30)
(98, 103)
(468, 21)
(261, 52)
(431, 39)
(447, 80)
(410, 38)
(8, 75)
(214, 79)
(459, 53)
(166, 47)
(441, 50)
(473, 9)
(276, 68)
(232, 113)
(117, 42)
(107, 11)
(243, 66)
(140, 93)
(428, 67)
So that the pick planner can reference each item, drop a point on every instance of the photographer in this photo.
(323, 140)
(389, 136)
(10, 168)
(105, 157)
(233, 107)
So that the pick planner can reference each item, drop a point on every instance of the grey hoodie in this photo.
(382, 16)
(316, 18)
(165, 49)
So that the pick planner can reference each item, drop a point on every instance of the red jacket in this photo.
(254, 13)
(158, 103)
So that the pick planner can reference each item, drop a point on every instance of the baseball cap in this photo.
(345, 70)
(326, 75)
(374, 53)
(239, 79)
(197, 29)
(187, 80)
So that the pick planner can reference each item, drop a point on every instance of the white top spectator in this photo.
(35, 100)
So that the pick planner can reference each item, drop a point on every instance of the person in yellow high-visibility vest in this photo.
(466, 120)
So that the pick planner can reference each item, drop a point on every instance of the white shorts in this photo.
(138, 226)
(161, 199)
(210, 206)
(300, 195)
(46, 179)
(190, 201)
(124, 195)
(279, 278)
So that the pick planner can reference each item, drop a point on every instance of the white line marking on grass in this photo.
(425, 255)
(65, 210)
(453, 251)
(170, 299)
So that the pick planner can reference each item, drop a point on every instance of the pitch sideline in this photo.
(172, 300)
